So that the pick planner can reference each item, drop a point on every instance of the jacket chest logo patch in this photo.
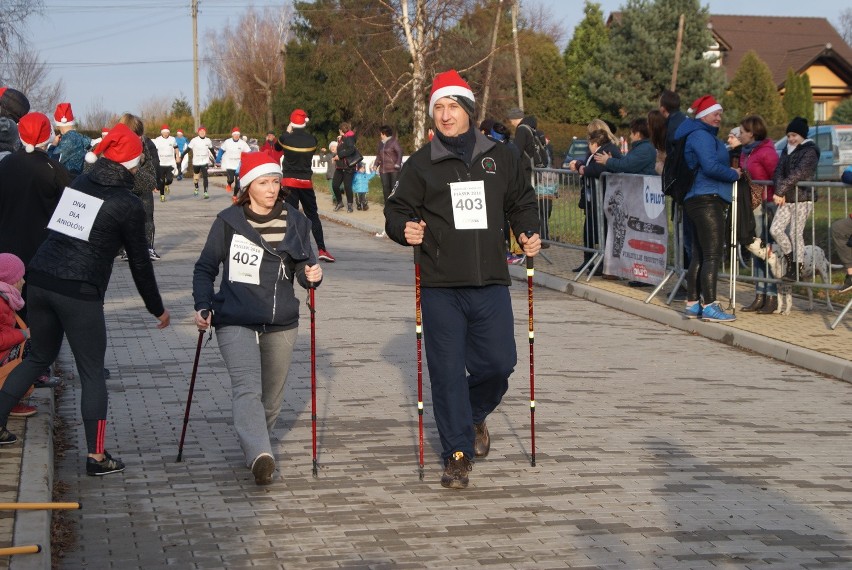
(489, 165)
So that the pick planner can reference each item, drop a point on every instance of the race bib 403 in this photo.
(469, 211)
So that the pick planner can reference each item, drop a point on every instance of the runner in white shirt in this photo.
(202, 153)
(167, 153)
(229, 157)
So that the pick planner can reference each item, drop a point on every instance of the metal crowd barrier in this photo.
(568, 222)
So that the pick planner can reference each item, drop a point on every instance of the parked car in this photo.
(578, 150)
(835, 148)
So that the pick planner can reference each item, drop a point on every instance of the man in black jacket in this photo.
(68, 278)
(299, 147)
(450, 202)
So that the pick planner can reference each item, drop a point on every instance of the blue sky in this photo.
(121, 54)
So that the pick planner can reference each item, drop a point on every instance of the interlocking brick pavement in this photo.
(655, 447)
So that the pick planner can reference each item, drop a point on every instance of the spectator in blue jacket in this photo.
(705, 205)
(642, 155)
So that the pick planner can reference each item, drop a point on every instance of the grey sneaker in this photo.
(262, 468)
(455, 471)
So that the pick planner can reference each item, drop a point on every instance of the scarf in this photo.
(462, 145)
(12, 296)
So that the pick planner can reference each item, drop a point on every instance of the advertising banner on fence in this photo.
(637, 234)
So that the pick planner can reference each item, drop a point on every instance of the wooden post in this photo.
(677, 51)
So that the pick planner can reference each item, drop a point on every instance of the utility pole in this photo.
(518, 78)
(196, 109)
(678, 47)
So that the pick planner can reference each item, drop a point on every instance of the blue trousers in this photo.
(470, 350)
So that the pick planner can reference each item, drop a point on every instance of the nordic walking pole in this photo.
(204, 315)
(312, 308)
(12, 550)
(418, 327)
(530, 273)
(39, 506)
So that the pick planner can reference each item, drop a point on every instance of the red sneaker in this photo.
(227, 187)
(326, 256)
(22, 411)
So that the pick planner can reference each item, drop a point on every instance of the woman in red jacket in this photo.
(759, 159)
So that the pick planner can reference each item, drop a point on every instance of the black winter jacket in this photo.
(469, 257)
(271, 305)
(299, 147)
(30, 187)
(63, 264)
(801, 164)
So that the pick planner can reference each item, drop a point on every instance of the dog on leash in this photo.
(813, 262)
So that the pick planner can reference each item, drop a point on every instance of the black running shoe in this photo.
(455, 471)
(107, 466)
(7, 437)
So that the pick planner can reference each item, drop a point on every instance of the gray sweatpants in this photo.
(258, 364)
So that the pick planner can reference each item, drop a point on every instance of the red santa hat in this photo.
(121, 145)
(34, 130)
(235, 131)
(179, 132)
(202, 128)
(298, 119)
(703, 106)
(165, 128)
(63, 116)
(104, 131)
(256, 164)
(450, 84)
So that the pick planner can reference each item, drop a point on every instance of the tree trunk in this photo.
(518, 79)
(483, 108)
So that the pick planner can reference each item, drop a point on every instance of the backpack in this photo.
(677, 177)
(540, 158)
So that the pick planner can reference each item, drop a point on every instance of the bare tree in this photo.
(483, 108)
(29, 75)
(97, 116)
(421, 23)
(844, 25)
(13, 14)
(251, 61)
(154, 112)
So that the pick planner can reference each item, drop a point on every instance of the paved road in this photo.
(655, 448)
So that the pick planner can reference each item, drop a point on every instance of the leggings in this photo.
(231, 176)
(165, 179)
(707, 213)
(82, 322)
(344, 176)
(199, 170)
(308, 200)
(789, 224)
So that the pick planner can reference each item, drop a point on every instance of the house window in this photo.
(819, 111)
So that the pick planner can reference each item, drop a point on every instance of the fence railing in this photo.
(572, 216)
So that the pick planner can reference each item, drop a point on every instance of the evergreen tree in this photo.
(590, 36)
(807, 99)
(793, 95)
(631, 70)
(544, 80)
(843, 112)
(752, 91)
